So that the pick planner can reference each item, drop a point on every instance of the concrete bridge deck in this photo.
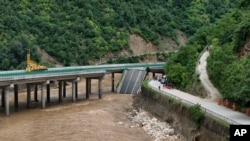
(9, 80)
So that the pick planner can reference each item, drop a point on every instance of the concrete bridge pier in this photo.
(60, 95)
(73, 91)
(28, 95)
(100, 87)
(3, 97)
(16, 96)
(76, 89)
(35, 93)
(48, 92)
(88, 87)
(64, 83)
(112, 81)
(6, 99)
(43, 96)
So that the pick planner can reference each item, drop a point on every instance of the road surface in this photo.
(209, 103)
(201, 68)
(233, 117)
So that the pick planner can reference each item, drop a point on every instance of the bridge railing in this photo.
(80, 68)
(189, 103)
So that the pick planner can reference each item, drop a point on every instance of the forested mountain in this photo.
(229, 60)
(77, 31)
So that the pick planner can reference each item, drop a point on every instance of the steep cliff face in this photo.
(179, 116)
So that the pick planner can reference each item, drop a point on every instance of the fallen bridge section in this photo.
(131, 81)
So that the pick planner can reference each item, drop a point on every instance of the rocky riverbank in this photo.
(161, 131)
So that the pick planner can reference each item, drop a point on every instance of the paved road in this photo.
(227, 114)
(209, 103)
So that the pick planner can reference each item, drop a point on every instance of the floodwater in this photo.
(89, 120)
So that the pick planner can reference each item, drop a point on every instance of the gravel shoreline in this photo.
(161, 131)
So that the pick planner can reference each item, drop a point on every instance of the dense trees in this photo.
(228, 63)
(180, 67)
(229, 60)
(76, 32)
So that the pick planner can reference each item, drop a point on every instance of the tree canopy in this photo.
(228, 62)
(76, 32)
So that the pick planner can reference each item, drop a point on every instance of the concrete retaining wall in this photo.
(179, 116)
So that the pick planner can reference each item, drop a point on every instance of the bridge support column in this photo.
(73, 91)
(64, 88)
(60, 91)
(100, 87)
(6, 98)
(88, 87)
(76, 89)
(43, 97)
(16, 96)
(48, 92)
(3, 96)
(35, 93)
(113, 82)
(28, 95)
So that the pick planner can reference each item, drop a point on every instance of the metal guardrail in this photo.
(80, 68)
(230, 121)
(46, 75)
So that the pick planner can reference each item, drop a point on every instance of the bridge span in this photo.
(10, 80)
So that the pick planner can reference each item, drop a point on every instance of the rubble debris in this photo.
(161, 131)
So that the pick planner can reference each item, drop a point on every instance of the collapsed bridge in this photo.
(10, 80)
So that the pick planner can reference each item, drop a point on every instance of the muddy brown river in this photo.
(84, 120)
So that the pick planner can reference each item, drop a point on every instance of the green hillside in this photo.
(229, 60)
(75, 32)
